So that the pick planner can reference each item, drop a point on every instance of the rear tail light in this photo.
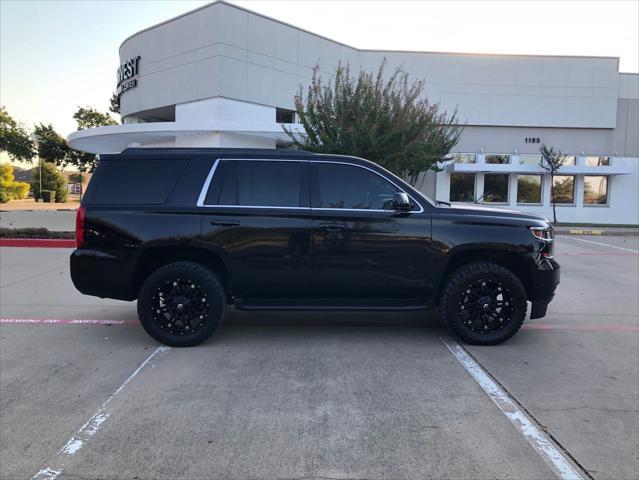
(79, 227)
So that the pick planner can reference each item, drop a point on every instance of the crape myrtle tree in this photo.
(114, 103)
(14, 139)
(388, 121)
(551, 161)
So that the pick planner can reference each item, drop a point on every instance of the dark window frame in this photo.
(594, 204)
(497, 174)
(574, 191)
(541, 189)
(450, 186)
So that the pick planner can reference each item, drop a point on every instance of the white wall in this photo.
(222, 50)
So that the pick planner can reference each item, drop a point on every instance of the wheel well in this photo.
(157, 257)
(508, 260)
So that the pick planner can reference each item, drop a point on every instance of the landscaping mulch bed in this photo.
(39, 233)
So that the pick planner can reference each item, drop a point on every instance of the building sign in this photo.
(126, 73)
(532, 139)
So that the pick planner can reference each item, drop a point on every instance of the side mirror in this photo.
(401, 202)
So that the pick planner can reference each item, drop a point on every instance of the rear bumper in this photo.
(102, 275)
(544, 284)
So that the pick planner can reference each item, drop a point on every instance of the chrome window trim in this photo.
(211, 174)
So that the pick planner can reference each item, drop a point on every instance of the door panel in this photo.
(268, 251)
(362, 248)
(370, 254)
(257, 212)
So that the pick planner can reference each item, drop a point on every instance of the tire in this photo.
(181, 304)
(483, 303)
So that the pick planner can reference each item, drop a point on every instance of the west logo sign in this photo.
(126, 71)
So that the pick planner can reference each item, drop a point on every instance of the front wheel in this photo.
(483, 303)
(181, 304)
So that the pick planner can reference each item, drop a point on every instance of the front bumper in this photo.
(544, 284)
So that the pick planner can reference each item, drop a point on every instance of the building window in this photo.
(563, 189)
(597, 161)
(496, 188)
(526, 159)
(464, 157)
(529, 189)
(595, 190)
(569, 161)
(282, 115)
(462, 187)
(498, 158)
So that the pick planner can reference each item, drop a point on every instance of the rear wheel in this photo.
(483, 303)
(181, 304)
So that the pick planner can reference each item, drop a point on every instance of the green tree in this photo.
(551, 161)
(52, 147)
(387, 121)
(14, 139)
(89, 117)
(52, 180)
(9, 188)
(114, 103)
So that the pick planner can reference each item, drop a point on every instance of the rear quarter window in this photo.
(137, 181)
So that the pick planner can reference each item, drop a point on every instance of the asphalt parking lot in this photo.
(85, 392)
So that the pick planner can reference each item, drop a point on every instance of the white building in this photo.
(225, 76)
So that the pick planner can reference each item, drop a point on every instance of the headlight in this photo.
(544, 234)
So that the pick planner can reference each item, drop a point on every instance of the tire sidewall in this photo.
(196, 273)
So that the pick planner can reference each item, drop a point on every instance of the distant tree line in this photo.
(47, 145)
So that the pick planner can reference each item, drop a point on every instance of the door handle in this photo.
(225, 223)
(332, 227)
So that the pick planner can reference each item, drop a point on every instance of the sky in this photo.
(58, 55)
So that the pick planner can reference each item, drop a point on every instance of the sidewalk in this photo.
(626, 231)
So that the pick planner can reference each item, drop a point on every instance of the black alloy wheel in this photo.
(483, 303)
(485, 306)
(181, 304)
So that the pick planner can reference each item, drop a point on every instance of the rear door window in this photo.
(136, 181)
(259, 183)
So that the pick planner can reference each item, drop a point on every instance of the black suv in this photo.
(188, 231)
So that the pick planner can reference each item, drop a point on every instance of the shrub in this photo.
(9, 188)
(52, 180)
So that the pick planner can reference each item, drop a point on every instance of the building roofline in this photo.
(223, 2)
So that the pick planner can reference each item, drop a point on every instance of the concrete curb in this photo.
(41, 210)
(37, 242)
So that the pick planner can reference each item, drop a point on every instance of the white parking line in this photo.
(90, 428)
(600, 243)
(544, 446)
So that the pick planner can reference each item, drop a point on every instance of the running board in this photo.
(332, 304)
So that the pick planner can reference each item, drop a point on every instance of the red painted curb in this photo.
(37, 242)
